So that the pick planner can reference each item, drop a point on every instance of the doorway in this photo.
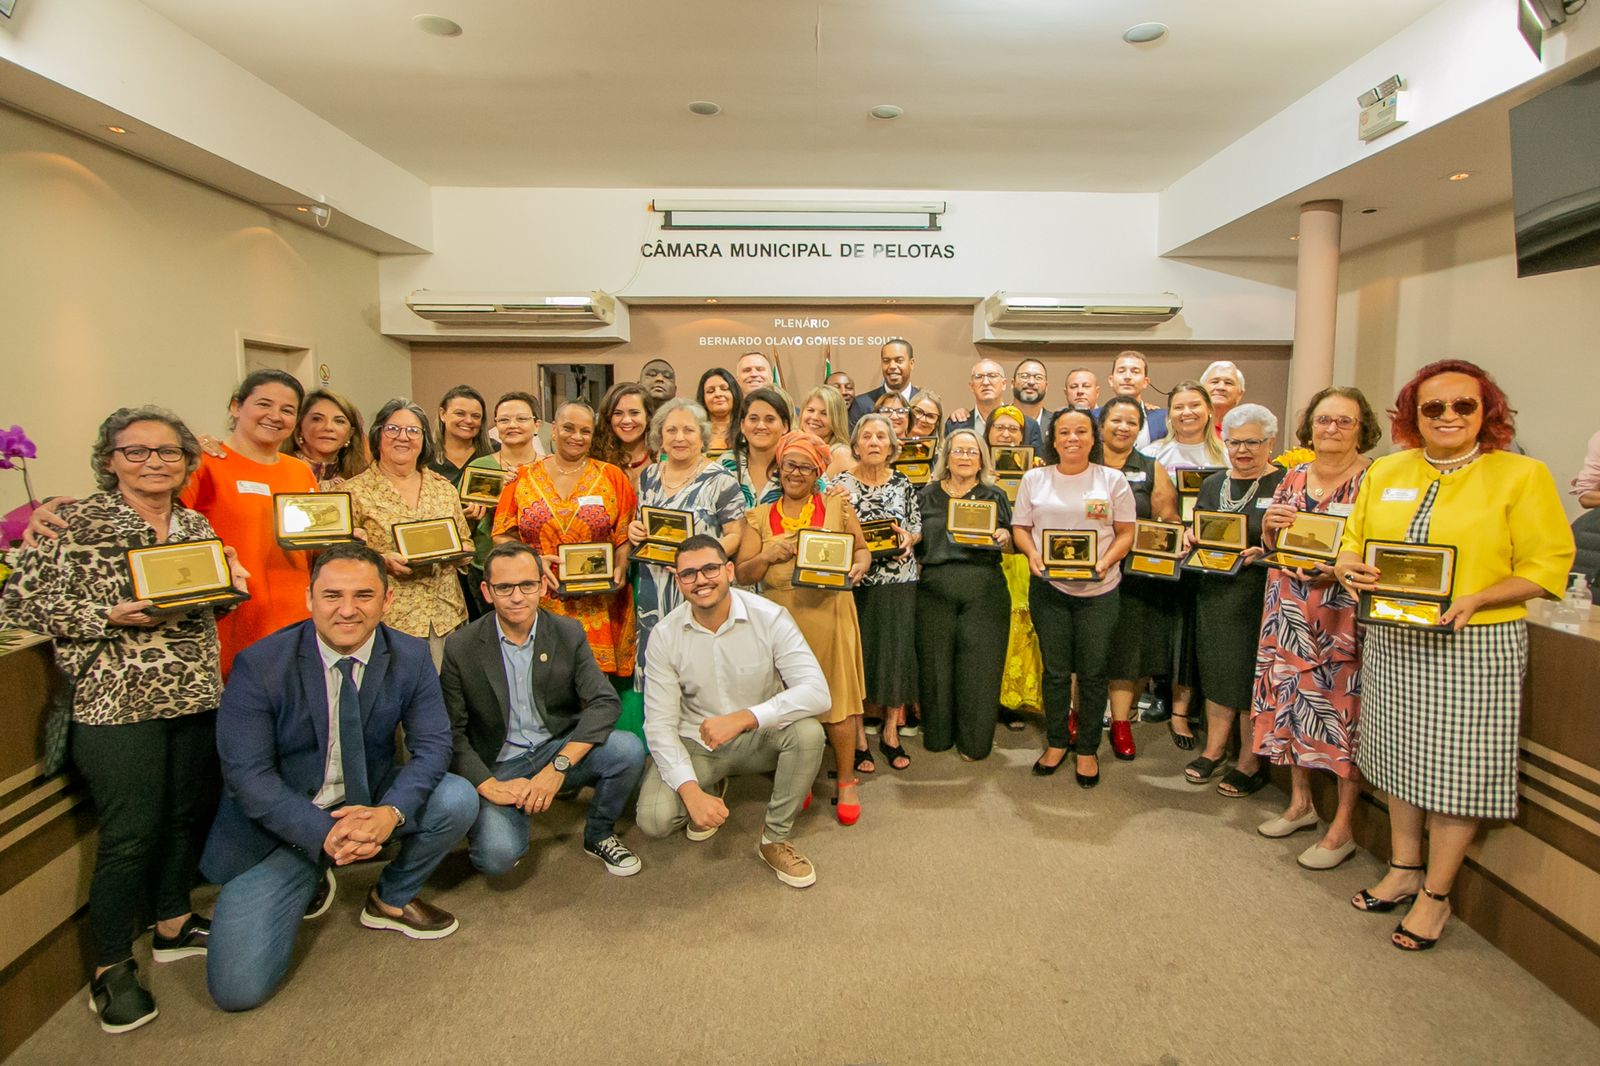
(560, 382)
(258, 351)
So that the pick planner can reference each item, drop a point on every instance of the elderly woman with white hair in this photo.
(1227, 607)
(1224, 383)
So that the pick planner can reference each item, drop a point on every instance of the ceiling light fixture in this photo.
(886, 111)
(704, 108)
(1145, 32)
(1295, 237)
(711, 299)
(302, 209)
(1460, 175)
(116, 129)
(437, 26)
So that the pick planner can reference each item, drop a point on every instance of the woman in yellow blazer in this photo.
(1440, 708)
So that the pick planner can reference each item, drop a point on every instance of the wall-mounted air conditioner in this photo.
(509, 309)
(1017, 310)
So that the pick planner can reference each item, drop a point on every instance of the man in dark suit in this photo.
(987, 382)
(895, 360)
(532, 715)
(306, 734)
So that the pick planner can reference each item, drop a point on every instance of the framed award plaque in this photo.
(1071, 554)
(1415, 582)
(915, 460)
(1313, 538)
(480, 485)
(881, 537)
(1009, 466)
(1157, 549)
(822, 559)
(972, 523)
(182, 577)
(1221, 538)
(586, 569)
(305, 521)
(664, 529)
(430, 542)
(1188, 480)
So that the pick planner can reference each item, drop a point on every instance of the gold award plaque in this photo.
(432, 542)
(1222, 537)
(664, 529)
(586, 569)
(1157, 549)
(1071, 554)
(182, 577)
(1011, 461)
(1190, 478)
(881, 537)
(1311, 539)
(481, 485)
(972, 523)
(1415, 582)
(822, 559)
(309, 520)
(915, 460)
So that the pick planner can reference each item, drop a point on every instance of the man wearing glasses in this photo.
(987, 383)
(731, 687)
(532, 716)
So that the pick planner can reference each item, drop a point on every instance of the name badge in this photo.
(1262, 505)
(591, 501)
(1096, 507)
(1398, 495)
(1343, 509)
(254, 487)
(1134, 476)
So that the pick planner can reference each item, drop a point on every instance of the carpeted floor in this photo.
(976, 915)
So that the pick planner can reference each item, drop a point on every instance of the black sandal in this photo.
(1236, 784)
(894, 753)
(1421, 943)
(1181, 742)
(1201, 770)
(864, 756)
(1366, 901)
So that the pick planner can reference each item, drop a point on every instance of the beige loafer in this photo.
(1317, 857)
(1280, 827)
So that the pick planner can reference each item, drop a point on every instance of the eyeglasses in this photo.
(138, 453)
(990, 376)
(392, 430)
(1245, 442)
(527, 588)
(1342, 421)
(965, 453)
(708, 572)
(1031, 377)
(1464, 406)
(515, 420)
(797, 468)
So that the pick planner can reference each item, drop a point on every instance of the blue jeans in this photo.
(258, 913)
(500, 835)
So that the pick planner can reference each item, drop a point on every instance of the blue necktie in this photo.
(352, 749)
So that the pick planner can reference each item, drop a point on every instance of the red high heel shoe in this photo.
(805, 804)
(848, 813)
(1122, 741)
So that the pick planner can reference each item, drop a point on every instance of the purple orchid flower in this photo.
(14, 444)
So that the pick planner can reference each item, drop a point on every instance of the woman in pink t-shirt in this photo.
(1075, 619)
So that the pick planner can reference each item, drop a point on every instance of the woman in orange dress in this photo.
(570, 498)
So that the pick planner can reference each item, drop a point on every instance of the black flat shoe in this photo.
(1086, 780)
(1041, 770)
(1181, 742)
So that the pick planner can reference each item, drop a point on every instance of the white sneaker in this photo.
(618, 859)
(694, 832)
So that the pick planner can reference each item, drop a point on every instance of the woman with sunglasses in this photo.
(401, 486)
(827, 619)
(1440, 708)
(1227, 608)
(1306, 707)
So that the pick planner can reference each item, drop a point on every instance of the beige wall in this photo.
(1453, 292)
(121, 284)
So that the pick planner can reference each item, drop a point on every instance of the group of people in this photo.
(259, 740)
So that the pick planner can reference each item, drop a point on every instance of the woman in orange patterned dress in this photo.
(570, 498)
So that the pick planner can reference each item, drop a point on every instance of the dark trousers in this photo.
(1074, 638)
(153, 785)
(963, 624)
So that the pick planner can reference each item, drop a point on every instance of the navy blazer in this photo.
(272, 737)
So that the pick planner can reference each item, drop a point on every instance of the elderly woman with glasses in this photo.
(145, 699)
(1440, 706)
(827, 619)
(1227, 608)
(400, 486)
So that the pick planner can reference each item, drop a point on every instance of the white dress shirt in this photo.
(757, 661)
(331, 794)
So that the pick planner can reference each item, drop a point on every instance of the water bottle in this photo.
(1573, 610)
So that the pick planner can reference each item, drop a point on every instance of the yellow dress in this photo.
(1021, 684)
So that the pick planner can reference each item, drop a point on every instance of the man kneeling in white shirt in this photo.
(730, 688)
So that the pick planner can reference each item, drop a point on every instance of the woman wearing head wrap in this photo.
(826, 618)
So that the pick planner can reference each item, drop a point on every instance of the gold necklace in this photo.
(563, 470)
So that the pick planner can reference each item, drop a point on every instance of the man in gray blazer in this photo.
(532, 715)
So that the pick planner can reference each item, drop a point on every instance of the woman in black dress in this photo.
(1228, 608)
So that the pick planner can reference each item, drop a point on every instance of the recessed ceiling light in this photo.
(1145, 32)
(704, 108)
(1295, 237)
(302, 208)
(116, 129)
(711, 299)
(1461, 175)
(886, 111)
(437, 25)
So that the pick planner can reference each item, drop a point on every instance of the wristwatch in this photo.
(561, 763)
(400, 818)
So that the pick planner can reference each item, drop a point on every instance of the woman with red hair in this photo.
(1440, 706)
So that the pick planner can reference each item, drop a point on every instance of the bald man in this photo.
(1082, 388)
(987, 382)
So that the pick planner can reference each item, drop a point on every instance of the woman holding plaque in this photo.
(143, 730)
(962, 604)
(1306, 707)
(753, 461)
(683, 481)
(329, 437)
(1190, 441)
(826, 618)
(722, 399)
(571, 498)
(621, 438)
(401, 486)
(1142, 645)
(1019, 685)
(462, 432)
(1227, 608)
(1075, 618)
(823, 415)
(1440, 705)
(516, 422)
(886, 598)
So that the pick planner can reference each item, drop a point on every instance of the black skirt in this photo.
(887, 616)
(1145, 641)
(1227, 634)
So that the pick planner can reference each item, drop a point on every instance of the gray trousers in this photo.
(794, 753)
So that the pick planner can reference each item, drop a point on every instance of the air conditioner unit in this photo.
(1016, 310)
(564, 310)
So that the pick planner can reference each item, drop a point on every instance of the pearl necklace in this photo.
(1458, 461)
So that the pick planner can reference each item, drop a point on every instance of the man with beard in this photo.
(987, 382)
(1029, 385)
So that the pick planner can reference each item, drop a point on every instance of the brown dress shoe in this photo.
(418, 920)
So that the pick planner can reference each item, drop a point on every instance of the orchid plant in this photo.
(15, 451)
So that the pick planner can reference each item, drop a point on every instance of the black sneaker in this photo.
(618, 859)
(190, 941)
(120, 1000)
(323, 899)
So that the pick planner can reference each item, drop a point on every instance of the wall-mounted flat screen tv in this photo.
(1555, 177)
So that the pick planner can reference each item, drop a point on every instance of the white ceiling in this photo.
(998, 94)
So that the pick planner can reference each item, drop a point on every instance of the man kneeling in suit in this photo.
(306, 734)
(532, 716)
